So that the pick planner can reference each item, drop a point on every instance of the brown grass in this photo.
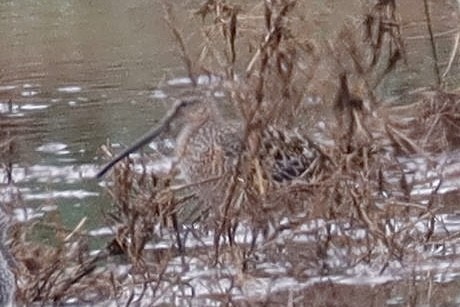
(352, 193)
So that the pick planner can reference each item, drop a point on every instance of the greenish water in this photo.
(78, 73)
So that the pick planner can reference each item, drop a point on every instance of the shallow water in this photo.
(73, 75)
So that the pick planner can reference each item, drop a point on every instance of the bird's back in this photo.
(212, 149)
(286, 155)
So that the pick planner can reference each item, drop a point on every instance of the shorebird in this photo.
(209, 148)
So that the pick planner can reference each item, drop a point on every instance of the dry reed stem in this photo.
(429, 25)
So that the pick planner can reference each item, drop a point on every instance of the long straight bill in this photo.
(145, 139)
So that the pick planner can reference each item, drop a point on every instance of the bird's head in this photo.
(196, 110)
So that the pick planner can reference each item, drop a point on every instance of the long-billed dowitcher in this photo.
(208, 149)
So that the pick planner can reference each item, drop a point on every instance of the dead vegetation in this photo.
(356, 213)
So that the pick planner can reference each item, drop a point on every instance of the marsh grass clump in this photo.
(59, 272)
(143, 205)
(354, 212)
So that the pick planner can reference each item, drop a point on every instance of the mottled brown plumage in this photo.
(209, 148)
